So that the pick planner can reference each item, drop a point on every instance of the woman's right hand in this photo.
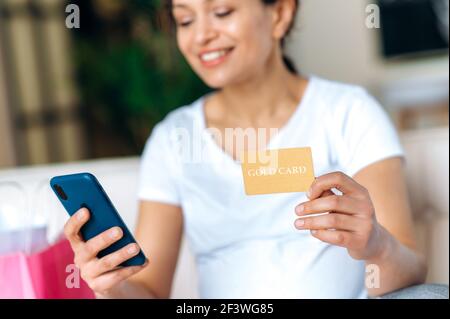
(101, 274)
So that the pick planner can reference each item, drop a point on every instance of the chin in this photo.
(220, 80)
(215, 84)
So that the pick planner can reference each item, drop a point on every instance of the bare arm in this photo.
(159, 231)
(372, 219)
(400, 263)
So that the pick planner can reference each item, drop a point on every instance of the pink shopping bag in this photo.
(48, 274)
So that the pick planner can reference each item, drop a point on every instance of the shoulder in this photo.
(183, 119)
(183, 116)
(338, 94)
(342, 102)
(178, 125)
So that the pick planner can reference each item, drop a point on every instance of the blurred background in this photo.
(71, 95)
(66, 94)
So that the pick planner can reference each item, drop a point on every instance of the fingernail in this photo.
(132, 250)
(300, 223)
(114, 233)
(299, 209)
(81, 214)
(313, 232)
(308, 193)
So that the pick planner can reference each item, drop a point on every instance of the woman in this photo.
(271, 245)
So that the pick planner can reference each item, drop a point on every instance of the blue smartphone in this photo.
(84, 190)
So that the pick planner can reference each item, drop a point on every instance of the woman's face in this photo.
(225, 41)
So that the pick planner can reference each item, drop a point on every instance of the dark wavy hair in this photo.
(287, 61)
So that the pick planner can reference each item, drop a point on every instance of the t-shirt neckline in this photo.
(300, 109)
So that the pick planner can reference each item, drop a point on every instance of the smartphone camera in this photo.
(60, 192)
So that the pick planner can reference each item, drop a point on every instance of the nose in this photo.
(205, 31)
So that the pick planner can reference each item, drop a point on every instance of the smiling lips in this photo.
(214, 58)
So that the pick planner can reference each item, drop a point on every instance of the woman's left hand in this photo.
(351, 221)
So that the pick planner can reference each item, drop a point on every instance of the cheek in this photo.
(254, 39)
(183, 42)
(262, 38)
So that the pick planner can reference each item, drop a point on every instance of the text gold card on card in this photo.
(277, 171)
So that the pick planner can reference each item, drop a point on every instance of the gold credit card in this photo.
(277, 171)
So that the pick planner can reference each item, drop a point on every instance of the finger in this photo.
(111, 279)
(93, 246)
(337, 180)
(335, 203)
(73, 226)
(325, 194)
(333, 237)
(328, 221)
(111, 261)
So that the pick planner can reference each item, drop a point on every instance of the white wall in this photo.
(332, 40)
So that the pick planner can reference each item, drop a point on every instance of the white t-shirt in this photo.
(247, 246)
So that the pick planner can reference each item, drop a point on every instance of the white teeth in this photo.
(211, 56)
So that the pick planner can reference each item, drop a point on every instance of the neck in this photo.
(271, 91)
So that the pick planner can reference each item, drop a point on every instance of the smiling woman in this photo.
(249, 247)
